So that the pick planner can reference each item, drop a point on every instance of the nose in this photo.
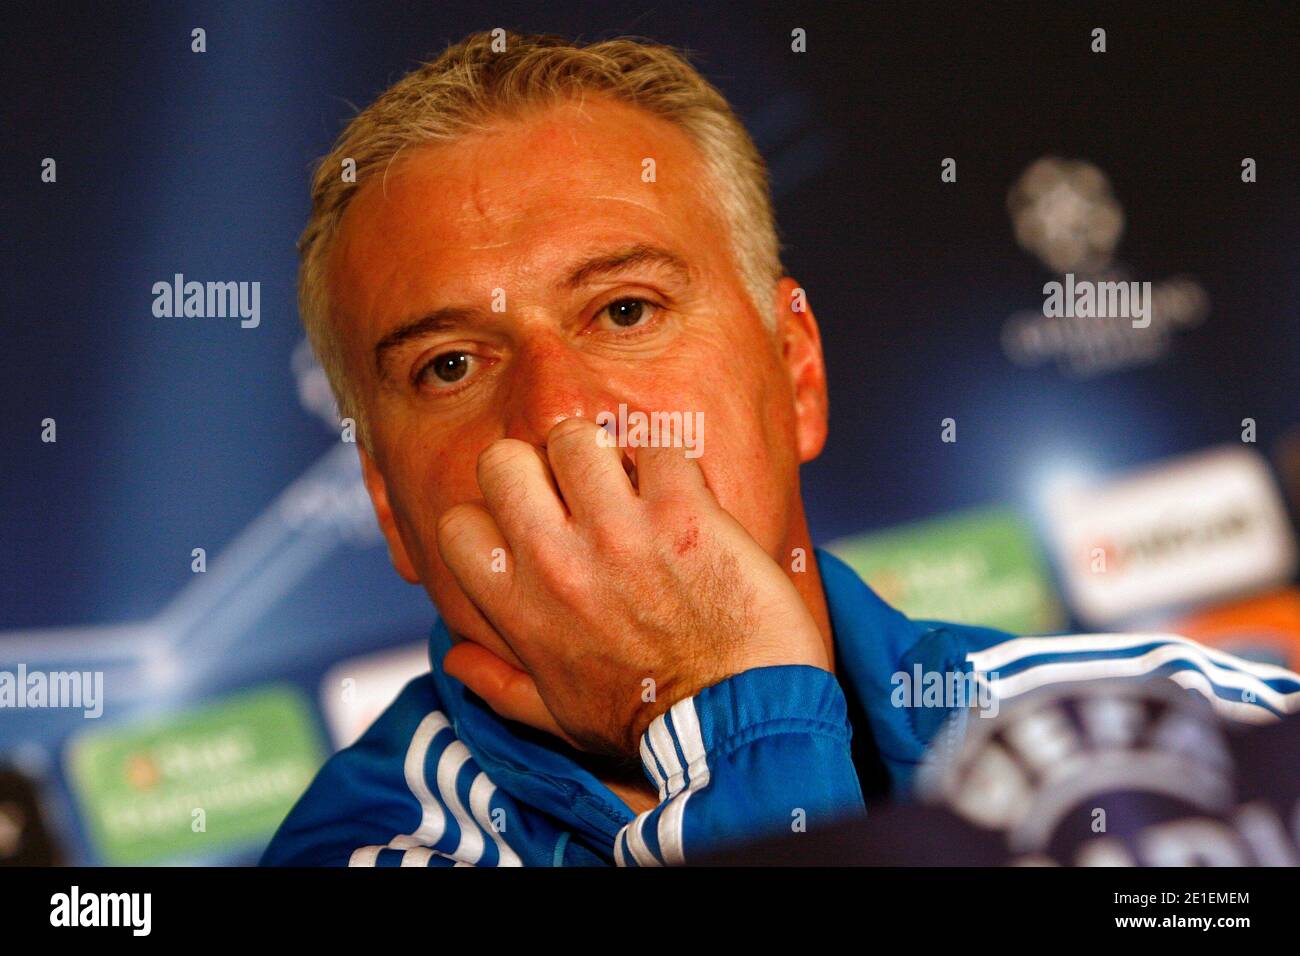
(550, 381)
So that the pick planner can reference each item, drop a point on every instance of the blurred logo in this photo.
(1054, 751)
(1113, 772)
(1198, 528)
(197, 783)
(1116, 773)
(1064, 213)
(979, 567)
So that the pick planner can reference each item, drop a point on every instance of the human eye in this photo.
(446, 369)
(629, 312)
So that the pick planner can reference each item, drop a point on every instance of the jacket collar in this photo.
(533, 767)
(873, 642)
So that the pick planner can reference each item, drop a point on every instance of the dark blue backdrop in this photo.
(175, 434)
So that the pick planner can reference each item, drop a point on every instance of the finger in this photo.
(588, 467)
(520, 492)
(510, 692)
(476, 553)
(667, 471)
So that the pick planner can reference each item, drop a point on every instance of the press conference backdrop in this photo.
(182, 523)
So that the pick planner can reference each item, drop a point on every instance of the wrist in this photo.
(677, 745)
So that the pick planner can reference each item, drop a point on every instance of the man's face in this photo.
(494, 286)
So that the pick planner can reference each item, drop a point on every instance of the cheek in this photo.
(433, 473)
(750, 475)
(748, 453)
(435, 477)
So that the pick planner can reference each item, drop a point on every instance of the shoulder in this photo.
(1010, 665)
(361, 795)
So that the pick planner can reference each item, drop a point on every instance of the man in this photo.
(518, 256)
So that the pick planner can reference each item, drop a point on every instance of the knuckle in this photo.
(673, 507)
(611, 537)
(571, 431)
(563, 578)
(502, 454)
(572, 440)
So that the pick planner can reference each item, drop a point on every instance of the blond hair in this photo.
(476, 81)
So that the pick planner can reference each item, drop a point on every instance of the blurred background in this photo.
(196, 533)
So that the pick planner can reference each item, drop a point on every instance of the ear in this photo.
(801, 350)
(378, 490)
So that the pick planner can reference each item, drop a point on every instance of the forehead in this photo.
(516, 201)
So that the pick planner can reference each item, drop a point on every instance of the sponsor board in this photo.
(1196, 529)
(205, 781)
(978, 567)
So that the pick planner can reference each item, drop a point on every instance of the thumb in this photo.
(509, 691)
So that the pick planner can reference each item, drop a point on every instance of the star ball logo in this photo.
(1094, 317)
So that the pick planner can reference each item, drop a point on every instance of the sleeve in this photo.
(761, 753)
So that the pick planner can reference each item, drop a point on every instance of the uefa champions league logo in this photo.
(1064, 213)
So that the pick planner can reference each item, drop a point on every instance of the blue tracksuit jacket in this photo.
(441, 780)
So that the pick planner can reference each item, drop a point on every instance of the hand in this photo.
(618, 598)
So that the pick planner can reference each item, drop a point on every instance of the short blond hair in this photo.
(475, 81)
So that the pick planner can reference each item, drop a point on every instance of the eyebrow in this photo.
(597, 267)
(438, 321)
(583, 273)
